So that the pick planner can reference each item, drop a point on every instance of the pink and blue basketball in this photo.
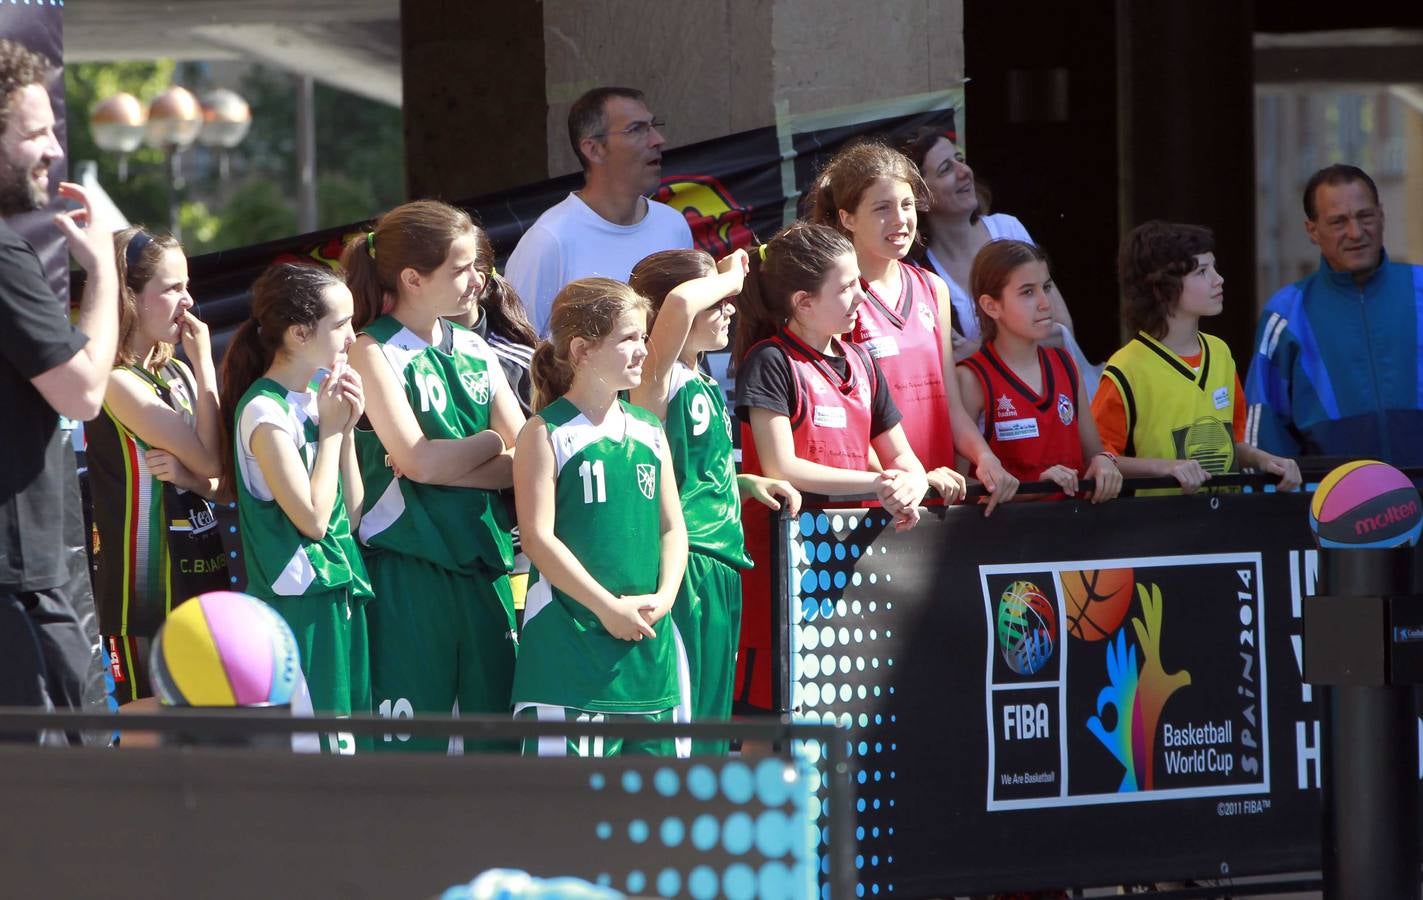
(225, 649)
(1368, 504)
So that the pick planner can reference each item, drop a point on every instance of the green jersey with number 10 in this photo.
(450, 388)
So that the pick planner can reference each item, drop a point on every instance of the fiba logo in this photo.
(477, 384)
(1026, 627)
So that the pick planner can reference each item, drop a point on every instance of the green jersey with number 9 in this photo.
(699, 438)
(607, 512)
(449, 387)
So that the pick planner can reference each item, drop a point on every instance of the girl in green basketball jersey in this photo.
(601, 522)
(154, 455)
(693, 300)
(499, 317)
(294, 405)
(442, 422)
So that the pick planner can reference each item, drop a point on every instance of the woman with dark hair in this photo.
(956, 226)
(693, 300)
(292, 466)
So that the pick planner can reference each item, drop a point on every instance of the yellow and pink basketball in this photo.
(223, 648)
(1366, 503)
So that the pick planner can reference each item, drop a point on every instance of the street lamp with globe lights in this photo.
(174, 120)
(118, 124)
(226, 120)
(171, 123)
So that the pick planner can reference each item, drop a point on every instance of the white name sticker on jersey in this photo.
(829, 417)
(1221, 398)
(1015, 429)
(882, 346)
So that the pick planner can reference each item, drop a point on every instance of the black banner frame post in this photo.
(1354, 652)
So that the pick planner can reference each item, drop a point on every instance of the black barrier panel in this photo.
(217, 823)
(1064, 694)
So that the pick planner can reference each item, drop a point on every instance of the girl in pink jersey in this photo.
(873, 194)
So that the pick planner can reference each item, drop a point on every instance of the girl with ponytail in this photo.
(497, 315)
(154, 454)
(873, 195)
(592, 468)
(816, 410)
(295, 403)
(435, 453)
(694, 300)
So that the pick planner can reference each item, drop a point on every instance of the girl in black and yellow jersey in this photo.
(154, 454)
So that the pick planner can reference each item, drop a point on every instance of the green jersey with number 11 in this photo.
(608, 514)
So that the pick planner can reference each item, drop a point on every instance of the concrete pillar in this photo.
(1185, 92)
(1043, 128)
(473, 93)
(486, 104)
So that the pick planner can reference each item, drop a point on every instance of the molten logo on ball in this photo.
(1366, 503)
(1366, 525)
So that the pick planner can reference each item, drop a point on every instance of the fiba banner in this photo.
(732, 190)
(1063, 694)
(1111, 646)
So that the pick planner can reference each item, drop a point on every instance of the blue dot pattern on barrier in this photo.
(841, 676)
(768, 837)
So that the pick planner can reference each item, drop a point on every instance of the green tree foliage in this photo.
(359, 146)
(359, 156)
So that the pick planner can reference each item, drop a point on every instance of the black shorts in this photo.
(126, 657)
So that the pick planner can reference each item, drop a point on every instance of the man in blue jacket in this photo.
(1337, 369)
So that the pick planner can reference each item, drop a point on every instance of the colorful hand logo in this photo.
(1156, 686)
(1120, 693)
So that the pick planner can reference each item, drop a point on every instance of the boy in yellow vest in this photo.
(1170, 401)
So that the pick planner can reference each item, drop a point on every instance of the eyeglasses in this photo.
(637, 130)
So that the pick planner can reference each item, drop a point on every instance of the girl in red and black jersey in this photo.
(1029, 396)
(812, 408)
(872, 194)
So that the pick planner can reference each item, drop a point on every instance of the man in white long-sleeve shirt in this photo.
(608, 226)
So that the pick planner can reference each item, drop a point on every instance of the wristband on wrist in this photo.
(1107, 453)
